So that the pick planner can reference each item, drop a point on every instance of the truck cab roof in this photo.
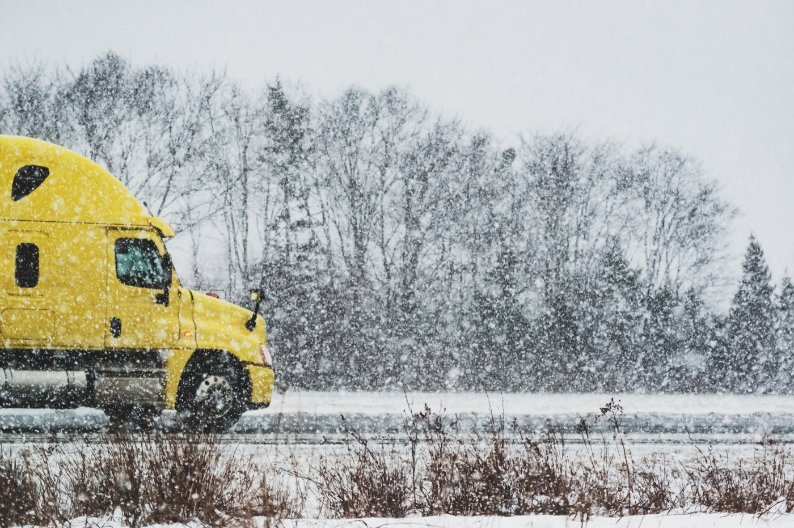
(40, 181)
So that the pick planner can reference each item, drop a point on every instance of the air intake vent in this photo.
(27, 180)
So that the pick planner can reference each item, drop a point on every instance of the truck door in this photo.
(52, 286)
(26, 317)
(142, 312)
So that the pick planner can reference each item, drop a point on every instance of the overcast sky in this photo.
(713, 78)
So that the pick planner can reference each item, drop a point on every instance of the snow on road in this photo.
(657, 414)
(319, 413)
(531, 404)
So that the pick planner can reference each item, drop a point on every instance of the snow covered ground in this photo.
(698, 520)
(553, 521)
(656, 424)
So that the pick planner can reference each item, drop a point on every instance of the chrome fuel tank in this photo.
(57, 388)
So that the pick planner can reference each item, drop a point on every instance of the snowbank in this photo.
(536, 404)
(384, 412)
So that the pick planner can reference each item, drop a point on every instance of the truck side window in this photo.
(26, 274)
(138, 263)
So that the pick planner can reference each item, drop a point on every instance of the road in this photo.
(650, 422)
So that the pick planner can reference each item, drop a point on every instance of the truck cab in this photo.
(92, 311)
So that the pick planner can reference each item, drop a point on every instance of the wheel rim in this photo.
(215, 397)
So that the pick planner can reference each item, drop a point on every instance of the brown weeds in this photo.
(365, 481)
(276, 497)
(746, 486)
(449, 473)
(160, 478)
(17, 493)
(152, 477)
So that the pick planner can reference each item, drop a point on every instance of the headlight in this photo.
(264, 355)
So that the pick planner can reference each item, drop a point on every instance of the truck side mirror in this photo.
(256, 296)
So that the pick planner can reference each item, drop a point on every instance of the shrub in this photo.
(364, 482)
(18, 493)
(187, 477)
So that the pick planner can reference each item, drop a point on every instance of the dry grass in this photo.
(161, 478)
(152, 477)
(278, 498)
(444, 472)
(17, 493)
(365, 481)
(746, 486)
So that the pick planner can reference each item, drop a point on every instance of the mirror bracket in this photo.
(256, 295)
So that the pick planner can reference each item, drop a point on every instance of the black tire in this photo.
(211, 399)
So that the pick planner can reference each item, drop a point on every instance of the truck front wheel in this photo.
(211, 399)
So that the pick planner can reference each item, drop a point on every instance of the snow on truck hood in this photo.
(219, 323)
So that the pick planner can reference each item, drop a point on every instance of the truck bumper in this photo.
(262, 380)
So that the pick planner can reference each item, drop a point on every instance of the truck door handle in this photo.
(115, 327)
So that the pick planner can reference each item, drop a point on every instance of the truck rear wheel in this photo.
(212, 400)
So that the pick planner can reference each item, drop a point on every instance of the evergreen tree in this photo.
(502, 329)
(751, 325)
(785, 337)
(558, 341)
(609, 318)
(660, 338)
(690, 373)
(719, 368)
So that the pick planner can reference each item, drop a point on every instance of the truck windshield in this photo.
(138, 263)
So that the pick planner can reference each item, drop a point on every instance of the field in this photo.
(427, 459)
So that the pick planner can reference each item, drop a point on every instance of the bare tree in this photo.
(412, 248)
(101, 107)
(358, 139)
(31, 103)
(679, 219)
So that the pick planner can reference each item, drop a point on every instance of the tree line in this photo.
(400, 249)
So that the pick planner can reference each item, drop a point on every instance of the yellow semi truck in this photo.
(92, 311)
